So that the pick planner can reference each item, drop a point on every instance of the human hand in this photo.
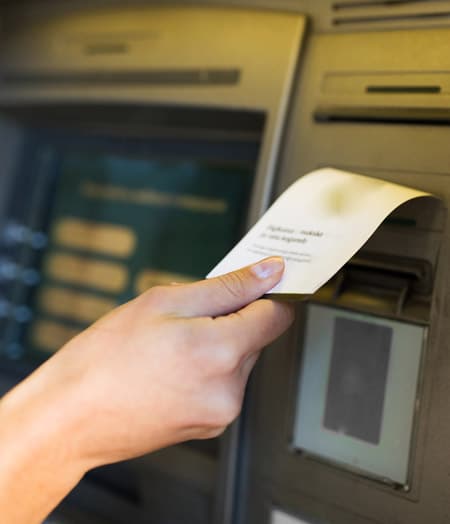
(172, 364)
(168, 366)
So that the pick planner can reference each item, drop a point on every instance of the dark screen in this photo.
(112, 217)
(122, 224)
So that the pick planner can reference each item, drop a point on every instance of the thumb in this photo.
(230, 292)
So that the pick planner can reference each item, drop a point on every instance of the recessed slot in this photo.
(377, 3)
(403, 89)
(388, 17)
(431, 116)
(386, 82)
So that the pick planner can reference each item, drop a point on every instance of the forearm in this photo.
(39, 462)
(168, 366)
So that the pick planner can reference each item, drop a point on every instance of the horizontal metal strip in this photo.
(147, 77)
(141, 117)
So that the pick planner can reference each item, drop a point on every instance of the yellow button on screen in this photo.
(107, 239)
(86, 271)
(74, 305)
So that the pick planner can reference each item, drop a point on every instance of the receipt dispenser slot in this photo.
(364, 340)
(393, 274)
(384, 98)
(393, 286)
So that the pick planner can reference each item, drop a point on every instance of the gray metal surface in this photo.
(414, 154)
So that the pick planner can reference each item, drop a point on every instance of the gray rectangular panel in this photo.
(357, 391)
(357, 380)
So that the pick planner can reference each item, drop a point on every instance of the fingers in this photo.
(257, 325)
(227, 293)
(230, 345)
(234, 338)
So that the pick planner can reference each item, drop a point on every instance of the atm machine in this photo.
(133, 123)
(138, 143)
(347, 421)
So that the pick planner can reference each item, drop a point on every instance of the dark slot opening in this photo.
(389, 272)
(377, 3)
(423, 116)
(389, 18)
(403, 89)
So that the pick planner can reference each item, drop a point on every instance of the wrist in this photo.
(41, 462)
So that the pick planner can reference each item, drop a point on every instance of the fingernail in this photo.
(268, 267)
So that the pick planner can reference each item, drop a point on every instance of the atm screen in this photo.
(121, 225)
(104, 219)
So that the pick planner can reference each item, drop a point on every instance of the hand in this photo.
(170, 365)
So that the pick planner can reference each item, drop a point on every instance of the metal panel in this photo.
(161, 39)
(409, 154)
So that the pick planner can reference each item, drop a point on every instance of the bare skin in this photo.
(168, 366)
